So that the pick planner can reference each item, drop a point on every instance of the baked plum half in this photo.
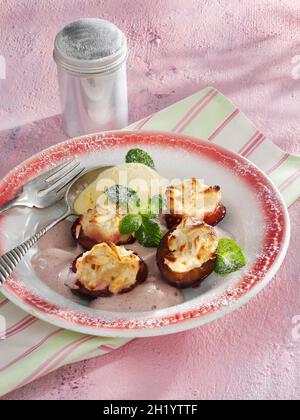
(107, 270)
(187, 254)
(92, 228)
(194, 199)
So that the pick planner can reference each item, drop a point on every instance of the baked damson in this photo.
(194, 199)
(187, 254)
(107, 270)
(94, 228)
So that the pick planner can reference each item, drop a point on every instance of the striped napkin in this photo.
(32, 348)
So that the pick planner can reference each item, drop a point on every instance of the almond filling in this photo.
(102, 224)
(108, 266)
(190, 246)
(193, 198)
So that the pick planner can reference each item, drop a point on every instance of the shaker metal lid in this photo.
(90, 46)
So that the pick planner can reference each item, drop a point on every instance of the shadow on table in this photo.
(20, 143)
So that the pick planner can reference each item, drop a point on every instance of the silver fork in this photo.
(47, 189)
(57, 185)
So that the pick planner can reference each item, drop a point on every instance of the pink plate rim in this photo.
(276, 239)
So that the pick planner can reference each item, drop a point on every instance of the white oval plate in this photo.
(257, 218)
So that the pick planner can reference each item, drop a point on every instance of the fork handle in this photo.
(10, 260)
(17, 201)
(8, 206)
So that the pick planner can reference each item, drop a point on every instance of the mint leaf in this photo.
(130, 224)
(149, 234)
(230, 257)
(139, 156)
(122, 196)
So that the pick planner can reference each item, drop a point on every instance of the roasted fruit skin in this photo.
(212, 219)
(81, 291)
(191, 278)
(88, 243)
(215, 217)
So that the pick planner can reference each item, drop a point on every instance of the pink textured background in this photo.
(176, 47)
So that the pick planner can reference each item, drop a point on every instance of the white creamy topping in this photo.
(108, 266)
(102, 224)
(190, 247)
(193, 198)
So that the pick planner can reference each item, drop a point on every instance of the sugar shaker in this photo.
(91, 57)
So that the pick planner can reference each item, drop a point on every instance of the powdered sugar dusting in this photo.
(89, 39)
(271, 252)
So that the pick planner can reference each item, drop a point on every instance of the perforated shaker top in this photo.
(94, 42)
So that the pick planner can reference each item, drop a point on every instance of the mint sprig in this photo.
(146, 229)
(139, 156)
(230, 257)
(130, 224)
(149, 234)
